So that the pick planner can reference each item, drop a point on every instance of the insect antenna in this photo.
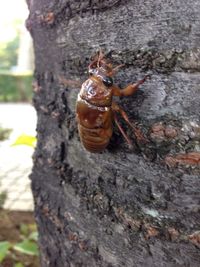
(117, 68)
(101, 56)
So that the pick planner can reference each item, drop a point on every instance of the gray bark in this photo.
(121, 207)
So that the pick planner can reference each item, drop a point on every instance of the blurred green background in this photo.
(15, 87)
(16, 55)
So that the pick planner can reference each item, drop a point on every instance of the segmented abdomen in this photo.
(94, 125)
(92, 139)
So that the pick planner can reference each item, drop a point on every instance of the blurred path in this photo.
(16, 161)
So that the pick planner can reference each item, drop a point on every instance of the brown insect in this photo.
(96, 110)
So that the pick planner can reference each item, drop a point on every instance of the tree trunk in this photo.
(121, 207)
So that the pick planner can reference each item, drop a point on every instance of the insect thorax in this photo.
(96, 93)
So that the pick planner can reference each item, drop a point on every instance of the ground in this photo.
(16, 161)
(15, 168)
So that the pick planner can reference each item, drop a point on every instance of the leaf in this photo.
(32, 227)
(18, 264)
(4, 247)
(27, 247)
(24, 229)
(24, 139)
(34, 236)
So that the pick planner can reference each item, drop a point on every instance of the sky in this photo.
(11, 10)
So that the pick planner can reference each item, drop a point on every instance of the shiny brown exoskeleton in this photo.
(95, 109)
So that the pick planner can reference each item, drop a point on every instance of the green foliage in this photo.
(15, 87)
(29, 231)
(34, 236)
(4, 133)
(24, 139)
(8, 53)
(27, 247)
(4, 248)
(24, 229)
(19, 264)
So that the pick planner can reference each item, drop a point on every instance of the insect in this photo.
(96, 110)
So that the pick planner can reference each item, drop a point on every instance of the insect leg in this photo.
(137, 132)
(121, 130)
(130, 89)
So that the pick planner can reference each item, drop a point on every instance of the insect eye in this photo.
(108, 81)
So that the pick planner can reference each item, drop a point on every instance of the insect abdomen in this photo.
(94, 125)
(92, 139)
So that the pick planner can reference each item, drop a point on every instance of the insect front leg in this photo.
(137, 132)
(130, 89)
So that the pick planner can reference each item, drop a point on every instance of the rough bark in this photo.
(121, 207)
